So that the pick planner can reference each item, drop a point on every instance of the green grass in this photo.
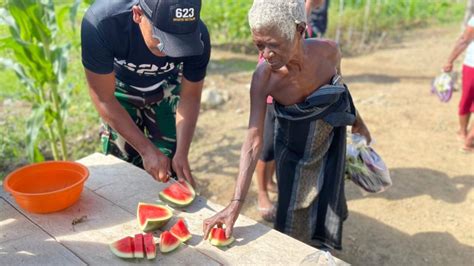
(12, 144)
(9, 82)
(10, 85)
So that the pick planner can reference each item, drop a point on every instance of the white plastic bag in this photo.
(320, 258)
(443, 86)
(365, 167)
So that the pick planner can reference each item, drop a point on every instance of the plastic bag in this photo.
(365, 167)
(319, 257)
(443, 86)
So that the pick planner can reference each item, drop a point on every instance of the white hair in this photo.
(283, 14)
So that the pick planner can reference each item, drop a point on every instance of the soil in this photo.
(427, 216)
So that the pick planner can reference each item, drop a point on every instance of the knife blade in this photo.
(173, 179)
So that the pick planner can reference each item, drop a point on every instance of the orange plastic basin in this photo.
(48, 186)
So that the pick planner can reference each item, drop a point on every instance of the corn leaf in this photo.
(33, 127)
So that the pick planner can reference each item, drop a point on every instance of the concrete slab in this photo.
(23, 243)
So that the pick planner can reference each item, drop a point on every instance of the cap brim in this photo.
(180, 45)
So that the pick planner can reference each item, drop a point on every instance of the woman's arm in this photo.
(249, 155)
(461, 44)
(359, 125)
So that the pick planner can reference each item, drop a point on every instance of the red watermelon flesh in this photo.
(218, 238)
(123, 248)
(138, 244)
(152, 216)
(180, 231)
(150, 246)
(168, 242)
(179, 194)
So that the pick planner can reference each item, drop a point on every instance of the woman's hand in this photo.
(448, 67)
(227, 216)
(361, 128)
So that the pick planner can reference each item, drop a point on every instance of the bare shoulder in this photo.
(263, 70)
(325, 48)
(260, 78)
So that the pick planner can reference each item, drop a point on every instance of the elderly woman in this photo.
(313, 108)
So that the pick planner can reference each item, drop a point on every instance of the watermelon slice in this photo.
(179, 194)
(180, 231)
(168, 242)
(152, 216)
(150, 246)
(123, 248)
(217, 238)
(138, 244)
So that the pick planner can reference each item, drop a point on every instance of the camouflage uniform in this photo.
(153, 112)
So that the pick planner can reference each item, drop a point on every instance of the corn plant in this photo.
(38, 54)
(227, 20)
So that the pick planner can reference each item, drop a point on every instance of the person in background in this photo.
(312, 109)
(466, 104)
(317, 17)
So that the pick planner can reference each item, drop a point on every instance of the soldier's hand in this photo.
(157, 165)
(181, 167)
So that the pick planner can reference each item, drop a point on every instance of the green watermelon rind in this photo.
(138, 253)
(182, 239)
(120, 254)
(153, 224)
(218, 243)
(168, 249)
(178, 203)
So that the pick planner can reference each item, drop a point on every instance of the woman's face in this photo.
(276, 49)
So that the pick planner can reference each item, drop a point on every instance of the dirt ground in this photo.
(427, 216)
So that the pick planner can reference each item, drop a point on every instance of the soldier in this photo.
(145, 63)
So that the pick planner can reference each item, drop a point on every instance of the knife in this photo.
(173, 179)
